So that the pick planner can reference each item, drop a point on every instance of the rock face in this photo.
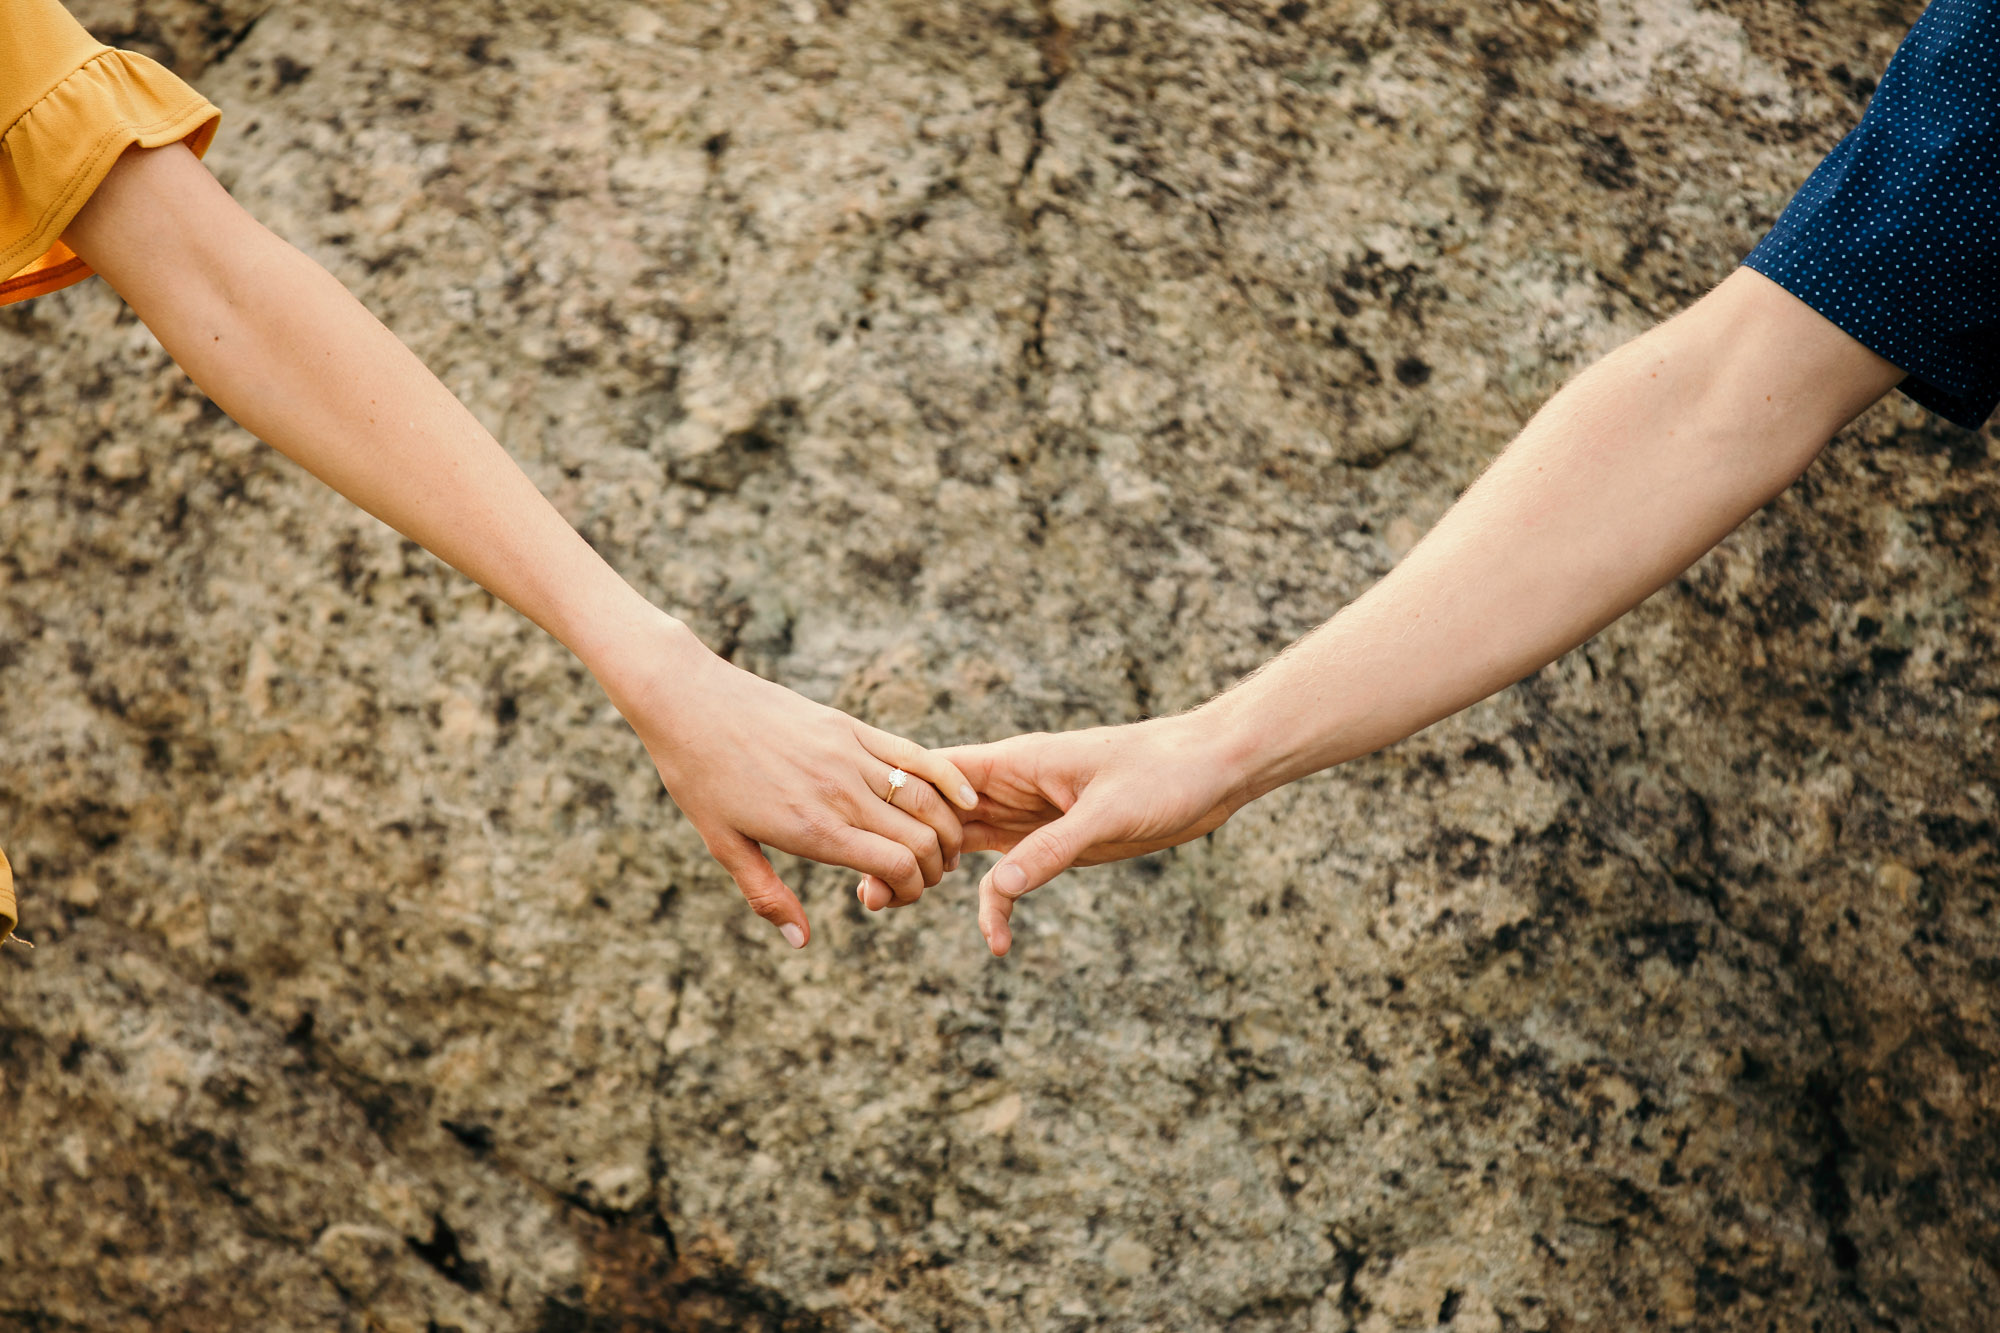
(980, 365)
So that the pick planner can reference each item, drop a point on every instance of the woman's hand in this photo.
(280, 346)
(751, 762)
(1082, 798)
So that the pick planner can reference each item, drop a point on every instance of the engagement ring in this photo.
(897, 779)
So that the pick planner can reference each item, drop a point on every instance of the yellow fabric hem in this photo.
(9, 918)
(53, 158)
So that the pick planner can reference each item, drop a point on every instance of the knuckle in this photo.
(763, 902)
(903, 866)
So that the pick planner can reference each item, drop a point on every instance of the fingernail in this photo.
(1010, 880)
(953, 865)
(861, 892)
(793, 935)
(967, 797)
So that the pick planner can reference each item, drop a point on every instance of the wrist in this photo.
(1253, 750)
(645, 654)
(1211, 745)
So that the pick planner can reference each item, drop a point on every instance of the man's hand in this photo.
(1638, 466)
(1082, 798)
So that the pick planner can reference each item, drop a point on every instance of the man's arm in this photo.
(285, 350)
(1632, 471)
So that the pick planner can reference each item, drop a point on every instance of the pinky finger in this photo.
(768, 896)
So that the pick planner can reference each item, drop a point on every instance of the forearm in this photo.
(282, 347)
(1622, 481)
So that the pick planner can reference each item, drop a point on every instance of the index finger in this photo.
(996, 910)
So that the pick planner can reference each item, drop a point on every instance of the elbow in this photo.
(1774, 377)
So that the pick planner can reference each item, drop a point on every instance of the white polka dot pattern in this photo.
(1896, 236)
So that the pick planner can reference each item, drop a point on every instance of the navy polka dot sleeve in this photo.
(1896, 236)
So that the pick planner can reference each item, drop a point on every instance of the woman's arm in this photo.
(1623, 480)
(283, 348)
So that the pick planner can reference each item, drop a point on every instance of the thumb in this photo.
(762, 889)
(1035, 860)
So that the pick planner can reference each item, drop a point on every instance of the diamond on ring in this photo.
(898, 779)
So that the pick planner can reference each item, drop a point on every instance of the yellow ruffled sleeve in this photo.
(69, 105)
(9, 917)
